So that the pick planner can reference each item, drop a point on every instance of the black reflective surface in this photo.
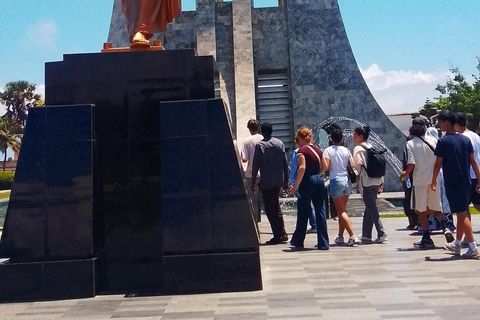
(146, 181)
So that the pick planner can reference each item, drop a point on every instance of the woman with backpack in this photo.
(369, 187)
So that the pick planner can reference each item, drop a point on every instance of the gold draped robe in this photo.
(149, 16)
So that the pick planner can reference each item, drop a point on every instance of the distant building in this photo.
(290, 65)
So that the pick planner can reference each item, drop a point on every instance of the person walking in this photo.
(425, 201)
(271, 160)
(369, 187)
(455, 155)
(339, 162)
(247, 154)
(291, 181)
(461, 127)
(311, 189)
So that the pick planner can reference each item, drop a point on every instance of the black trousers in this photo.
(273, 212)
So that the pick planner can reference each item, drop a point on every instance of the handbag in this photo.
(352, 175)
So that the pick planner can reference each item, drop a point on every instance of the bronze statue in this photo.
(147, 17)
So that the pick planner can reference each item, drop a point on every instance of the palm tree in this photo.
(10, 136)
(18, 97)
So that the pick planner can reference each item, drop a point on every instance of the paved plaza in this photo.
(376, 281)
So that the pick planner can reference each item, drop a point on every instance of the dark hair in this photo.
(253, 125)
(363, 131)
(417, 130)
(337, 136)
(461, 119)
(266, 129)
(447, 116)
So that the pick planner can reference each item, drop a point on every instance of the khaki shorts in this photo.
(423, 197)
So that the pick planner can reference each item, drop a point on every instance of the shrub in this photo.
(6, 179)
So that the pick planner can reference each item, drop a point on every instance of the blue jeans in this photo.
(311, 217)
(311, 190)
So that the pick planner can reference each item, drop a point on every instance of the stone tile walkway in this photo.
(376, 281)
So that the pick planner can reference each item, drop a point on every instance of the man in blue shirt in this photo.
(455, 155)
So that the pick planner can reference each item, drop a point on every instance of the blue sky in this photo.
(404, 48)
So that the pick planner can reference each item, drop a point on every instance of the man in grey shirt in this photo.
(271, 160)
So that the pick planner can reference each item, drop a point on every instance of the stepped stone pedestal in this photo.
(128, 182)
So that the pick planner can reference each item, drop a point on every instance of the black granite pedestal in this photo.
(128, 179)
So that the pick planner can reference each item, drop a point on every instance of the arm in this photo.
(410, 160)
(257, 161)
(408, 170)
(327, 165)
(244, 153)
(436, 170)
(474, 165)
(285, 171)
(300, 173)
(293, 169)
(323, 165)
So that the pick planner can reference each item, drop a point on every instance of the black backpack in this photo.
(375, 162)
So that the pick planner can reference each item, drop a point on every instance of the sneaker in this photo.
(464, 243)
(448, 236)
(339, 240)
(381, 239)
(353, 240)
(284, 238)
(312, 230)
(472, 254)
(365, 239)
(452, 247)
(426, 244)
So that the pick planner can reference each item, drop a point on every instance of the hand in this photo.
(478, 187)
(380, 189)
(404, 174)
(285, 186)
(293, 189)
(433, 185)
(253, 188)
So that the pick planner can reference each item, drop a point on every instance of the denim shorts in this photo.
(340, 186)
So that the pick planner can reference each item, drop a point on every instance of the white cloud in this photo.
(40, 89)
(398, 91)
(42, 35)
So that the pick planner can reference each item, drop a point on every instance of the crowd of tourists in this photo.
(440, 179)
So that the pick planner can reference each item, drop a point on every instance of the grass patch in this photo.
(4, 195)
(400, 215)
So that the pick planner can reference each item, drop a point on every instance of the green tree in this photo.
(10, 136)
(457, 95)
(18, 97)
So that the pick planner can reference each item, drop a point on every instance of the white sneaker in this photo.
(353, 240)
(382, 239)
(339, 240)
(452, 247)
(472, 254)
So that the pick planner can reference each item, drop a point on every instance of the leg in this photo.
(343, 220)
(318, 199)
(270, 197)
(372, 209)
(311, 218)
(303, 205)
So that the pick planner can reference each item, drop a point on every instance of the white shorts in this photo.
(423, 197)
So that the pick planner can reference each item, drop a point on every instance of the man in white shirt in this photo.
(248, 151)
(425, 201)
